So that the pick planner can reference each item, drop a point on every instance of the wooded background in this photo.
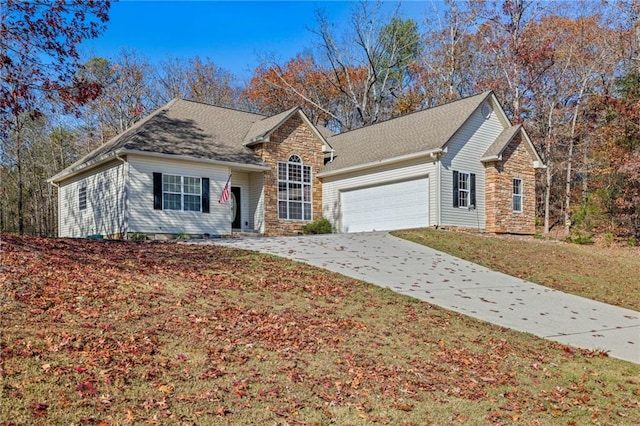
(569, 71)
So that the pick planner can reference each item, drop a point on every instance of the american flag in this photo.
(224, 197)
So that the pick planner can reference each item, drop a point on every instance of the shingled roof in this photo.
(187, 128)
(495, 150)
(420, 131)
(261, 129)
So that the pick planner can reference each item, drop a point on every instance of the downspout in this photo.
(125, 201)
(438, 192)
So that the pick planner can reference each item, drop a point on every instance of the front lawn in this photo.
(606, 274)
(104, 332)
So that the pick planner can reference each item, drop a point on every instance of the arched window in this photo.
(294, 189)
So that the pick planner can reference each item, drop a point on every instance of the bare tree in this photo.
(126, 93)
(369, 67)
(198, 80)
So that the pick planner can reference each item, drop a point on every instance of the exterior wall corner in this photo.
(516, 163)
(292, 137)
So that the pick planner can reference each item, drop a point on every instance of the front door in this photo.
(236, 214)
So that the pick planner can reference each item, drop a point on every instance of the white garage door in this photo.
(399, 205)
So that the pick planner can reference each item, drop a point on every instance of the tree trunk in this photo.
(567, 189)
(576, 111)
(20, 182)
(548, 173)
(547, 197)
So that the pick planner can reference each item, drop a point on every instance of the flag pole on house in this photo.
(224, 197)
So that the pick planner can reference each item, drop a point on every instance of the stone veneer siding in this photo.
(516, 163)
(292, 137)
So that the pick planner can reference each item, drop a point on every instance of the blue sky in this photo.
(234, 34)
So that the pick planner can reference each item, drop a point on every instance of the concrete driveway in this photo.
(464, 287)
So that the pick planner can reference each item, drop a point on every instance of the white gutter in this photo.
(233, 164)
(63, 175)
(438, 192)
(257, 140)
(431, 153)
(536, 164)
(249, 167)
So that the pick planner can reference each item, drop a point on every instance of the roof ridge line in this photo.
(485, 93)
(222, 107)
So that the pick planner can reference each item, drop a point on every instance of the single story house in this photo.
(461, 164)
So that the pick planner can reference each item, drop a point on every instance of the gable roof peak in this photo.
(427, 130)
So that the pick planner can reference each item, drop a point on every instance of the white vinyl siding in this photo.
(393, 173)
(256, 202)
(463, 153)
(103, 201)
(142, 216)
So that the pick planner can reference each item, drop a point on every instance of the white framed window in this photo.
(294, 189)
(517, 195)
(181, 193)
(464, 190)
(82, 198)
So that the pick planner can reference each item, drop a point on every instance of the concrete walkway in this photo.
(464, 287)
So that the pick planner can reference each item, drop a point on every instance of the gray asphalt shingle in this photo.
(416, 132)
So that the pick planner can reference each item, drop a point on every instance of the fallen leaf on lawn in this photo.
(221, 411)
(402, 406)
(166, 389)
(39, 409)
(86, 388)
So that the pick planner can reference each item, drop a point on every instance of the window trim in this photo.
(302, 185)
(159, 192)
(467, 194)
(182, 192)
(82, 197)
(517, 195)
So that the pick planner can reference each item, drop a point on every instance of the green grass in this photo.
(100, 332)
(606, 274)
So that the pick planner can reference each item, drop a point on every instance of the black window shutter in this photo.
(205, 195)
(456, 203)
(157, 191)
(472, 184)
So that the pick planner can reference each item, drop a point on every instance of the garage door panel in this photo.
(384, 207)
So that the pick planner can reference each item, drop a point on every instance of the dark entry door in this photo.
(236, 213)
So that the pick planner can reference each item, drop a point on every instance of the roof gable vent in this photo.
(486, 110)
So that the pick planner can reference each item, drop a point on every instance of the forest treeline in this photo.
(568, 71)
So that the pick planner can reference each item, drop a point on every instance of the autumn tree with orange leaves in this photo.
(300, 82)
